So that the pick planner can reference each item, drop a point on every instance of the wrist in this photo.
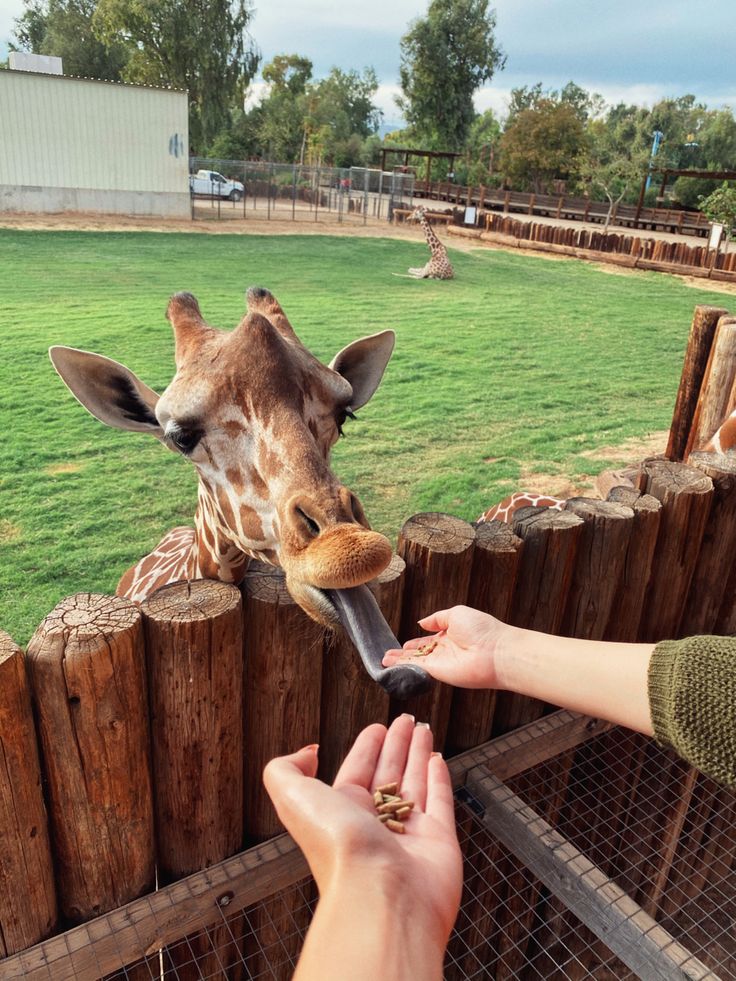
(513, 648)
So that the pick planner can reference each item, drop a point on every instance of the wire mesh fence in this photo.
(236, 190)
(653, 842)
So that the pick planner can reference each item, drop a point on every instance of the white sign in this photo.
(469, 218)
(716, 232)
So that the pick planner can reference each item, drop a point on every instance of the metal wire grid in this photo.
(661, 832)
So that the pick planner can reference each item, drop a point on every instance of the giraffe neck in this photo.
(432, 241)
(212, 555)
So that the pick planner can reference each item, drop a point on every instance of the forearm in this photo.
(602, 679)
(366, 929)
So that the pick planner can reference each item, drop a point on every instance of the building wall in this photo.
(77, 144)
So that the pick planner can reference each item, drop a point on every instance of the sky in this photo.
(625, 50)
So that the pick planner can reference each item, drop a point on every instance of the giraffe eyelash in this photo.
(346, 413)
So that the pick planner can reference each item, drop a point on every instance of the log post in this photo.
(493, 575)
(438, 551)
(194, 652)
(709, 589)
(351, 700)
(628, 603)
(28, 911)
(283, 678)
(700, 340)
(87, 673)
(686, 495)
(545, 573)
(720, 373)
(599, 565)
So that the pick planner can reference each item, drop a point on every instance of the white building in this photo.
(73, 144)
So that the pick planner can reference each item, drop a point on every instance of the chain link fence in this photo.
(239, 190)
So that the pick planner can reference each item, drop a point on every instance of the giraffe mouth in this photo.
(361, 617)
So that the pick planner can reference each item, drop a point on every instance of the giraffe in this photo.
(439, 266)
(257, 415)
(723, 439)
(505, 509)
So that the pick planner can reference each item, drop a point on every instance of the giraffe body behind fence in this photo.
(257, 415)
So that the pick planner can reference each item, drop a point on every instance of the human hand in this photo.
(343, 841)
(467, 652)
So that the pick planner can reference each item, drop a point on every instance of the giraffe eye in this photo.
(185, 440)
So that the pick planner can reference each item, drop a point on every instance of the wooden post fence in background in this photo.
(28, 911)
(351, 700)
(438, 551)
(195, 672)
(702, 331)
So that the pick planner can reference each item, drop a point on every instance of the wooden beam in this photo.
(630, 933)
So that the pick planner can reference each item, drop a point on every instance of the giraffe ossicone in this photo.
(257, 415)
(439, 266)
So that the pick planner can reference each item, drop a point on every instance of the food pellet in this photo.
(391, 809)
(396, 826)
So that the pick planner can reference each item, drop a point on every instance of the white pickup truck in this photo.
(209, 183)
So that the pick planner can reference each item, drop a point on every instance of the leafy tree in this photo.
(720, 206)
(196, 45)
(279, 123)
(445, 57)
(479, 164)
(542, 144)
(65, 28)
(611, 166)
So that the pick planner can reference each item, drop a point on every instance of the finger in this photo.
(359, 765)
(414, 781)
(436, 621)
(288, 781)
(440, 802)
(391, 762)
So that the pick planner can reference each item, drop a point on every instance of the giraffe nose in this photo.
(306, 519)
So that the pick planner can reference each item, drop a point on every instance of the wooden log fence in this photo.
(632, 251)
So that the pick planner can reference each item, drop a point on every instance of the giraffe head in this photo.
(257, 415)
(418, 214)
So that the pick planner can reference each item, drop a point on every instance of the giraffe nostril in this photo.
(310, 523)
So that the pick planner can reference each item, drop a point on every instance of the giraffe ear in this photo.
(363, 363)
(107, 389)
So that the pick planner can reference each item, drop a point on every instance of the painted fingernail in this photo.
(313, 747)
(437, 756)
(405, 715)
(422, 725)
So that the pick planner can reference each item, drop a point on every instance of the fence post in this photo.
(350, 699)
(28, 910)
(438, 551)
(87, 672)
(496, 558)
(686, 495)
(293, 193)
(194, 651)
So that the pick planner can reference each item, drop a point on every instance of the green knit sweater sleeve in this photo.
(692, 697)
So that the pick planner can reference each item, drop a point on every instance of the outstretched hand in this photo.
(464, 649)
(338, 830)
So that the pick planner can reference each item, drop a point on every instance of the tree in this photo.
(542, 144)
(445, 57)
(612, 167)
(720, 206)
(200, 46)
(65, 28)
(280, 121)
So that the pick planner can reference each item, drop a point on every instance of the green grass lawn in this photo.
(518, 365)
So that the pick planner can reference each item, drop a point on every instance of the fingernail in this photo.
(405, 715)
(313, 747)
(437, 755)
(422, 725)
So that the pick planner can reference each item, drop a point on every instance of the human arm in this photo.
(476, 650)
(387, 901)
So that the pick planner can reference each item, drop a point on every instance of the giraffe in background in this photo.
(439, 266)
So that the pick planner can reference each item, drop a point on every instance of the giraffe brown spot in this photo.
(233, 428)
(234, 477)
(226, 508)
(252, 524)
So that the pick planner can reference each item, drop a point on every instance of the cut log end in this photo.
(200, 599)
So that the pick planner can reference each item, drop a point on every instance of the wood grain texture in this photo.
(713, 399)
(710, 587)
(28, 910)
(493, 575)
(194, 651)
(686, 495)
(351, 700)
(86, 666)
(628, 603)
(700, 340)
(543, 582)
(438, 551)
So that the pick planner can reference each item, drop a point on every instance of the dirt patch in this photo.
(57, 468)
(554, 485)
(9, 533)
(633, 450)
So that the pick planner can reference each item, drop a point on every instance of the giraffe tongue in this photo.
(372, 636)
